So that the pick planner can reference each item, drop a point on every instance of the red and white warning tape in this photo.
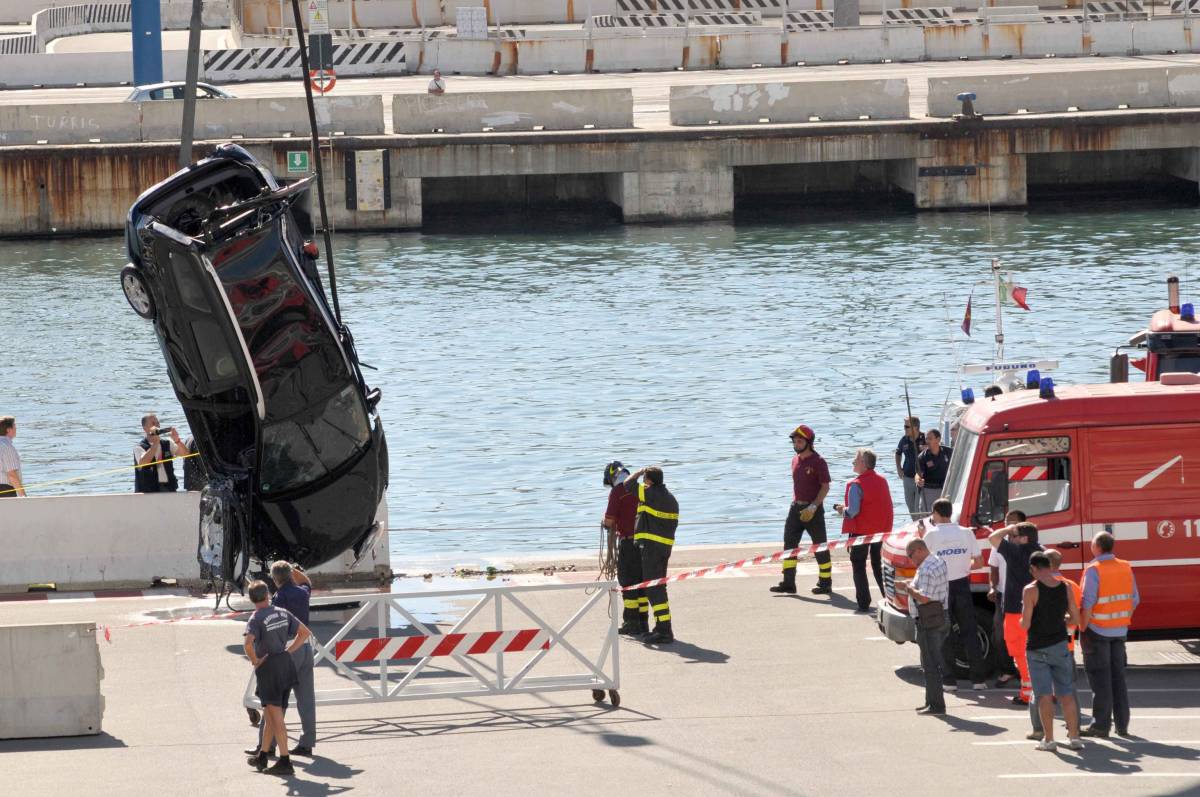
(420, 647)
(107, 629)
(766, 559)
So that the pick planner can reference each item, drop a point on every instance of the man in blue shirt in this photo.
(1110, 596)
(292, 592)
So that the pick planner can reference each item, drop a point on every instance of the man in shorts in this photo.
(266, 645)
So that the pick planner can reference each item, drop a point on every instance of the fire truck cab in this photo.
(1123, 458)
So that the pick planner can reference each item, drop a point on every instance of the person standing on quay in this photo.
(868, 510)
(810, 485)
(930, 585)
(997, 575)
(149, 477)
(1110, 596)
(907, 451)
(619, 519)
(1016, 544)
(932, 466)
(654, 534)
(958, 548)
(10, 461)
(1046, 608)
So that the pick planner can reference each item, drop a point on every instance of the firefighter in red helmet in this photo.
(810, 484)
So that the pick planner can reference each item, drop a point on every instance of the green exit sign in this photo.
(298, 162)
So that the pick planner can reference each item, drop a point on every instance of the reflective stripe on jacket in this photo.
(1114, 604)
(657, 515)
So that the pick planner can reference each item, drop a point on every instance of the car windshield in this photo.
(301, 450)
(960, 466)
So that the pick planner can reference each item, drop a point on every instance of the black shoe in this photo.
(303, 750)
(1019, 701)
(931, 711)
(823, 588)
(1093, 732)
(630, 629)
(281, 767)
(923, 707)
(1123, 732)
(659, 637)
(863, 610)
(259, 761)
(786, 589)
(252, 751)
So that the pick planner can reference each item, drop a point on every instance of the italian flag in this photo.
(1013, 293)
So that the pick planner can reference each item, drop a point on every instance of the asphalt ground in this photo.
(761, 694)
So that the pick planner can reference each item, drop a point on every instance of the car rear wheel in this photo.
(137, 293)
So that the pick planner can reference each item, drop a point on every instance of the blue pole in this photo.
(146, 21)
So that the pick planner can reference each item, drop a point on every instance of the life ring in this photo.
(322, 80)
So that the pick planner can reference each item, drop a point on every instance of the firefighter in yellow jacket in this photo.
(654, 535)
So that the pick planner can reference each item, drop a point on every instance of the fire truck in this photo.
(1082, 459)
(1170, 344)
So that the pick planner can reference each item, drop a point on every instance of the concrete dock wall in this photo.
(118, 540)
(513, 110)
(50, 681)
(791, 102)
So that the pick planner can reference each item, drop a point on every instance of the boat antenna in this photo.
(316, 149)
(907, 403)
(999, 353)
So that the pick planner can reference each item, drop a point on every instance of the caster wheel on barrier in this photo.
(614, 697)
(255, 717)
(598, 695)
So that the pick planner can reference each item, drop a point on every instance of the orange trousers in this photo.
(1014, 639)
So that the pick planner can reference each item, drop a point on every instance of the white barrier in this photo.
(481, 634)
(858, 45)
(51, 681)
(512, 110)
(276, 117)
(119, 540)
(650, 49)
(77, 123)
(1058, 92)
(783, 103)
(33, 70)
(735, 49)
(561, 54)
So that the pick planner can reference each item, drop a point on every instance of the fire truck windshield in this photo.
(960, 466)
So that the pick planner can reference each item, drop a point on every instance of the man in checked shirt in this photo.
(930, 585)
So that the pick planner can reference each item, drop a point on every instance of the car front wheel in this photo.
(137, 293)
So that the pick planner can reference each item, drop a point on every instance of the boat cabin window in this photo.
(1034, 485)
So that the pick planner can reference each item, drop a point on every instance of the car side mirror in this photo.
(373, 397)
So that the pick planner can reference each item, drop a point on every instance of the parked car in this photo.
(269, 379)
(173, 90)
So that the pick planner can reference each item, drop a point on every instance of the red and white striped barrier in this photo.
(420, 647)
(766, 559)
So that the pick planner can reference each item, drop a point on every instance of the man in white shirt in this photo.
(10, 461)
(437, 85)
(959, 549)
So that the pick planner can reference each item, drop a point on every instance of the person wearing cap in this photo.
(654, 535)
(619, 520)
(810, 485)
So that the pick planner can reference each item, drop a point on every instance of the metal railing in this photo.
(479, 642)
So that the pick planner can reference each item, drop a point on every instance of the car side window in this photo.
(1034, 485)
(204, 93)
(156, 94)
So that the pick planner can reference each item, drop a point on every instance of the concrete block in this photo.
(513, 110)
(1160, 36)
(1183, 86)
(1023, 39)
(78, 123)
(264, 117)
(461, 56)
(990, 12)
(745, 49)
(521, 12)
(857, 45)
(782, 103)
(562, 54)
(50, 681)
(645, 49)
(846, 13)
(1109, 38)
(947, 42)
(673, 196)
(1052, 92)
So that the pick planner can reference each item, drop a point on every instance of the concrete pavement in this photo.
(762, 694)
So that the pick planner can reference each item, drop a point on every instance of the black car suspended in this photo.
(268, 378)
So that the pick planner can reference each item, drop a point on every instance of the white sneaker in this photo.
(979, 687)
(1075, 743)
(1046, 745)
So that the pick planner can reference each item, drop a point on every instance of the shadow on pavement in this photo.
(971, 726)
(308, 788)
(61, 743)
(836, 600)
(481, 721)
(623, 740)
(693, 654)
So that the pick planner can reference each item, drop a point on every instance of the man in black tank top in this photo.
(1046, 609)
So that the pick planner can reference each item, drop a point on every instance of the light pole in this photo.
(146, 26)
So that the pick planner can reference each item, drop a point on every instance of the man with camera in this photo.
(154, 472)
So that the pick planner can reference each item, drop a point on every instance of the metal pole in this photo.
(187, 135)
(999, 313)
(316, 148)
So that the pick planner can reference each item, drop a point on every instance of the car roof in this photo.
(1118, 404)
(169, 84)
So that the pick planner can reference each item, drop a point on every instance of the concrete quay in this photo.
(761, 694)
(654, 149)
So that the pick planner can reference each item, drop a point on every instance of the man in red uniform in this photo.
(619, 519)
(810, 484)
(867, 511)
